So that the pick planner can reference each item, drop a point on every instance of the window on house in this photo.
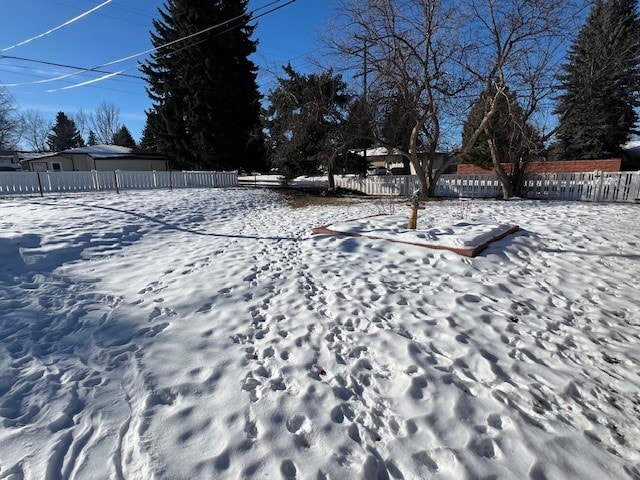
(56, 166)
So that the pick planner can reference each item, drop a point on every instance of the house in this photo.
(381, 157)
(96, 157)
(7, 163)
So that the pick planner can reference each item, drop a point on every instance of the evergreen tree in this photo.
(123, 138)
(601, 83)
(92, 139)
(512, 135)
(64, 134)
(515, 141)
(148, 139)
(206, 105)
(305, 120)
(398, 120)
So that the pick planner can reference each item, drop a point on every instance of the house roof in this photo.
(378, 152)
(100, 152)
(23, 156)
(384, 151)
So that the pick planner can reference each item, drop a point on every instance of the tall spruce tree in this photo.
(601, 83)
(123, 138)
(206, 104)
(148, 138)
(64, 134)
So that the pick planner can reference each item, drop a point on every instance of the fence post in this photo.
(634, 187)
(170, 182)
(40, 184)
(115, 176)
(598, 192)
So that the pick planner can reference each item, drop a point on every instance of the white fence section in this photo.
(591, 187)
(474, 186)
(402, 185)
(36, 183)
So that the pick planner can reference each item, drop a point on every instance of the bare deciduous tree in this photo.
(428, 56)
(106, 122)
(513, 47)
(83, 121)
(36, 129)
(410, 54)
(10, 122)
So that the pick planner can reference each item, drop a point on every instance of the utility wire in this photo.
(68, 22)
(63, 65)
(186, 47)
(160, 47)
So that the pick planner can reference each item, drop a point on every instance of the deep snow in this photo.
(209, 334)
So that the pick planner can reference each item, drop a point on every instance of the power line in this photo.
(161, 47)
(110, 75)
(68, 22)
(63, 65)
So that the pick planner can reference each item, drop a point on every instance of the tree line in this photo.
(493, 71)
(488, 81)
(103, 126)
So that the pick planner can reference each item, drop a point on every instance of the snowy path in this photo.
(208, 334)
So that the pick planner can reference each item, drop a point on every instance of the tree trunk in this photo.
(332, 180)
(422, 177)
(507, 191)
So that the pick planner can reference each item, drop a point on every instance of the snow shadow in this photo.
(61, 341)
(170, 226)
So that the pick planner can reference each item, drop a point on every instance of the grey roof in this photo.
(98, 151)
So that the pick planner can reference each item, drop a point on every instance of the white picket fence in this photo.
(39, 183)
(592, 187)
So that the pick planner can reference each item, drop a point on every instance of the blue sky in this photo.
(118, 29)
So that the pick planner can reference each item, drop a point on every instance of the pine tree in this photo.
(206, 105)
(512, 136)
(123, 138)
(516, 142)
(64, 134)
(92, 139)
(306, 121)
(148, 139)
(601, 83)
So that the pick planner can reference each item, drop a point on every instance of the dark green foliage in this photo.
(399, 119)
(92, 139)
(514, 138)
(350, 163)
(359, 124)
(205, 98)
(304, 121)
(148, 139)
(516, 142)
(124, 138)
(64, 134)
(601, 83)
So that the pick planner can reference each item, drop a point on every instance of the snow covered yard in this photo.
(208, 334)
